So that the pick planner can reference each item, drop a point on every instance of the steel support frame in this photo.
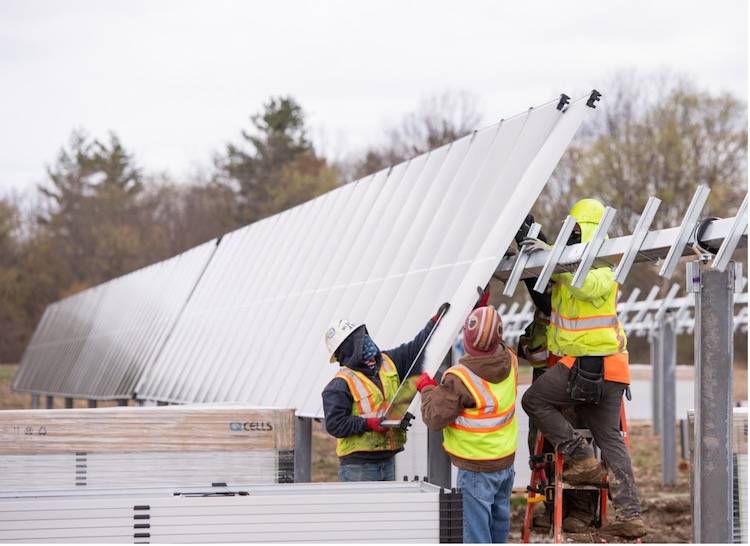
(302, 450)
(712, 459)
(668, 406)
(438, 461)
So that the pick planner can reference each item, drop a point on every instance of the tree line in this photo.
(98, 215)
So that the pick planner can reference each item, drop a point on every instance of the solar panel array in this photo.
(248, 322)
(96, 344)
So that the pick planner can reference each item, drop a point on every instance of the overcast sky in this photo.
(177, 80)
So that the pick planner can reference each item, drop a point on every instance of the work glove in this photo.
(424, 381)
(523, 231)
(373, 424)
(484, 296)
(441, 312)
(532, 244)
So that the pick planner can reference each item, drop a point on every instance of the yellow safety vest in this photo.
(488, 431)
(368, 401)
(581, 324)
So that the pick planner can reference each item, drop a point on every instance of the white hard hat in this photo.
(336, 333)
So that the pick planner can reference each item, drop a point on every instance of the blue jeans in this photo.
(384, 471)
(486, 504)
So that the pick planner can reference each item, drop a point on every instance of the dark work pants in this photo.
(580, 503)
(543, 402)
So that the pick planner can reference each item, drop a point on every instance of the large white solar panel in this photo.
(386, 250)
(95, 344)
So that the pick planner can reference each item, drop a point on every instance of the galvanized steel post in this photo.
(302, 450)
(438, 461)
(657, 403)
(668, 403)
(712, 461)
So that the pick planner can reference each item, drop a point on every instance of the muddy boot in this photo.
(576, 522)
(628, 528)
(584, 471)
(572, 524)
(543, 521)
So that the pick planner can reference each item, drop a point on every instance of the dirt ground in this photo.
(666, 509)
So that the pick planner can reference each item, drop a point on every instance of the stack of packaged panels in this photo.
(200, 444)
(323, 513)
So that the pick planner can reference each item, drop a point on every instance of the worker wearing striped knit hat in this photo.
(474, 406)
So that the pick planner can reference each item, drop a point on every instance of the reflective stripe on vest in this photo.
(579, 327)
(368, 401)
(587, 323)
(488, 431)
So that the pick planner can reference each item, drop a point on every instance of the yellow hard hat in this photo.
(587, 211)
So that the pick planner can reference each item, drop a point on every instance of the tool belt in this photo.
(587, 379)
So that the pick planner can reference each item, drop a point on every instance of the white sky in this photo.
(177, 80)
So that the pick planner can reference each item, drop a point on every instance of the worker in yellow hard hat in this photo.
(591, 374)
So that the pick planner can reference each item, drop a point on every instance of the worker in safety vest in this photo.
(592, 373)
(474, 406)
(354, 400)
(579, 509)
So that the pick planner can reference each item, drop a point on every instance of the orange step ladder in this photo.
(547, 484)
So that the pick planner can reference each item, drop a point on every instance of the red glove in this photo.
(373, 424)
(484, 296)
(424, 381)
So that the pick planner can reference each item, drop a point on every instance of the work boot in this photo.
(627, 528)
(584, 471)
(542, 520)
(572, 524)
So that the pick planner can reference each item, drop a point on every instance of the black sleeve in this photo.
(403, 356)
(337, 407)
(543, 302)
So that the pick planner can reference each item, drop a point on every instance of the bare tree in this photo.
(438, 120)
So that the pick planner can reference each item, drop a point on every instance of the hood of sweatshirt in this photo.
(350, 353)
(493, 368)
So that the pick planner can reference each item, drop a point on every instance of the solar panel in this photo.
(385, 250)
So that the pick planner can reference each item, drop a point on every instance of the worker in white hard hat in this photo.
(354, 400)
(591, 373)
(474, 406)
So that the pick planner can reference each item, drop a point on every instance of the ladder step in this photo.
(544, 468)
(586, 487)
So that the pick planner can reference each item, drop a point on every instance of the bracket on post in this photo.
(686, 230)
(636, 242)
(624, 308)
(666, 302)
(693, 277)
(646, 305)
(593, 247)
